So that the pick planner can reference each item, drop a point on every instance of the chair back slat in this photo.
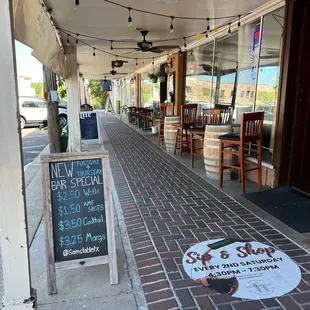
(166, 109)
(252, 126)
(188, 115)
(211, 116)
(226, 113)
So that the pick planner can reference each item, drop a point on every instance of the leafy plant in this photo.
(152, 76)
(38, 88)
(161, 73)
(61, 88)
(96, 93)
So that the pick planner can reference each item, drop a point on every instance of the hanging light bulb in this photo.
(207, 34)
(239, 22)
(77, 3)
(129, 18)
(136, 62)
(153, 62)
(185, 45)
(111, 48)
(208, 27)
(94, 52)
(229, 29)
(77, 39)
(68, 40)
(171, 25)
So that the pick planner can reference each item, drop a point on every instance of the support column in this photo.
(73, 97)
(82, 90)
(137, 90)
(179, 68)
(13, 220)
(217, 88)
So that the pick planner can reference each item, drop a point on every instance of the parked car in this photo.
(33, 110)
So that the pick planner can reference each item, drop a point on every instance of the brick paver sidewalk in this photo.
(168, 208)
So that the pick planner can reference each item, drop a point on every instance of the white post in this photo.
(13, 221)
(82, 89)
(73, 97)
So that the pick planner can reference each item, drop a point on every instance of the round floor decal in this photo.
(244, 269)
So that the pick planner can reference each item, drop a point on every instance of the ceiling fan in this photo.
(147, 46)
(118, 63)
(113, 72)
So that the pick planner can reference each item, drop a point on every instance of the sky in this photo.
(267, 75)
(27, 65)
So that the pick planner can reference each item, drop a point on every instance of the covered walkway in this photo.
(168, 208)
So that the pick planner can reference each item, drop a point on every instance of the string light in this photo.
(198, 36)
(171, 25)
(208, 27)
(239, 22)
(77, 39)
(94, 52)
(129, 17)
(167, 16)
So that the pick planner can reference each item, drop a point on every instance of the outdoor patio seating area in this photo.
(168, 207)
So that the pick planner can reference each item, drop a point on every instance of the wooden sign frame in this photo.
(111, 258)
(86, 141)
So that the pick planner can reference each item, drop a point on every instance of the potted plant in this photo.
(153, 77)
(154, 128)
(161, 76)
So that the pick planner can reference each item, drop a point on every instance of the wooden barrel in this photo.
(170, 131)
(211, 151)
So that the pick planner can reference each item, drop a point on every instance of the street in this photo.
(34, 141)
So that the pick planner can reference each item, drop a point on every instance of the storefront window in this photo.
(225, 70)
(199, 76)
(248, 49)
(268, 76)
(240, 70)
(150, 92)
(132, 93)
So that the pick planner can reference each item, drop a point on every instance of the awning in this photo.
(34, 28)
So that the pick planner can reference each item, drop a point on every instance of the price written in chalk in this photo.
(67, 210)
(71, 240)
(70, 224)
(70, 195)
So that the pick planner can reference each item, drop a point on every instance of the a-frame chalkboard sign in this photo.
(78, 213)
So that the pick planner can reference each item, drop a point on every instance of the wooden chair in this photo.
(136, 118)
(226, 113)
(146, 119)
(250, 132)
(131, 113)
(165, 109)
(209, 116)
(188, 119)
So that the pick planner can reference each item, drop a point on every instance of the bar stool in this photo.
(251, 132)
(166, 109)
(209, 116)
(188, 119)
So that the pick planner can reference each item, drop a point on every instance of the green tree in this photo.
(96, 93)
(38, 87)
(61, 88)
(265, 97)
